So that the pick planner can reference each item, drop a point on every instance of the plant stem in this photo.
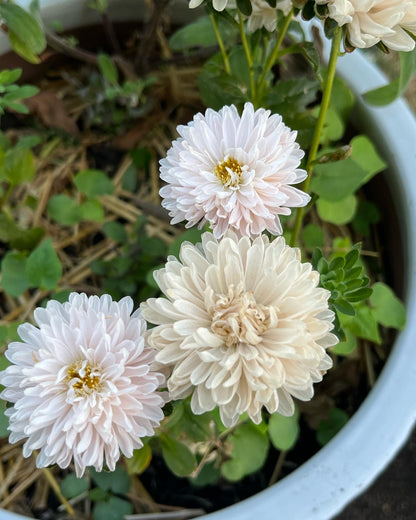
(248, 57)
(57, 490)
(326, 96)
(273, 55)
(221, 44)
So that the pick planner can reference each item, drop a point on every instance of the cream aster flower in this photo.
(265, 16)
(233, 171)
(373, 21)
(81, 383)
(244, 325)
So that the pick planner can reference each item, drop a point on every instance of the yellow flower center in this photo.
(229, 172)
(238, 318)
(83, 378)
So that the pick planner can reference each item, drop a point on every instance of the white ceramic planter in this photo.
(345, 467)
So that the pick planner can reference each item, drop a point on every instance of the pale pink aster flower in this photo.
(233, 171)
(243, 325)
(372, 21)
(82, 384)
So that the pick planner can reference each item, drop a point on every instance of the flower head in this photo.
(219, 5)
(244, 325)
(81, 383)
(372, 21)
(263, 15)
(233, 171)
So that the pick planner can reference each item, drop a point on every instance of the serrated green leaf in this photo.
(344, 307)
(359, 295)
(140, 460)
(284, 431)
(328, 428)
(13, 273)
(178, 457)
(249, 451)
(117, 481)
(43, 267)
(93, 183)
(387, 308)
(64, 210)
(72, 486)
(114, 508)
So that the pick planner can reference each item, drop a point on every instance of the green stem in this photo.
(248, 57)
(273, 55)
(326, 96)
(221, 44)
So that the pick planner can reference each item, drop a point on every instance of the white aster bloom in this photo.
(81, 383)
(263, 15)
(372, 21)
(233, 171)
(244, 324)
(219, 5)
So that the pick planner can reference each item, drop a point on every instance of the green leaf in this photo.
(113, 509)
(117, 481)
(92, 210)
(93, 183)
(72, 486)
(365, 155)
(388, 93)
(108, 69)
(8, 76)
(245, 7)
(64, 210)
(313, 236)
(342, 99)
(4, 421)
(363, 324)
(195, 34)
(339, 212)
(196, 427)
(27, 239)
(328, 428)
(208, 475)
(367, 214)
(19, 166)
(140, 460)
(387, 308)
(344, 348)
(249, 451)
(284, 431)
(25, 33)
(178, 457)
(13, 273)
(116, 232)
(43, 267)
(24, 92)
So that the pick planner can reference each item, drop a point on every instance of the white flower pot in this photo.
(347, 465)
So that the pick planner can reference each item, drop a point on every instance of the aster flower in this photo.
(81, 383)
(372, 21)
(219, 5)
(264, 15)
(244, 325)
(233, 171)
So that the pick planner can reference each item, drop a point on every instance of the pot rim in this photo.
(322, 486)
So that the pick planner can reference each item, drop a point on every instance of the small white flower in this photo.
(264, 15)
(81, 383)
(233, 171)
(219, 5)
(372, 21)
(244, 325)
